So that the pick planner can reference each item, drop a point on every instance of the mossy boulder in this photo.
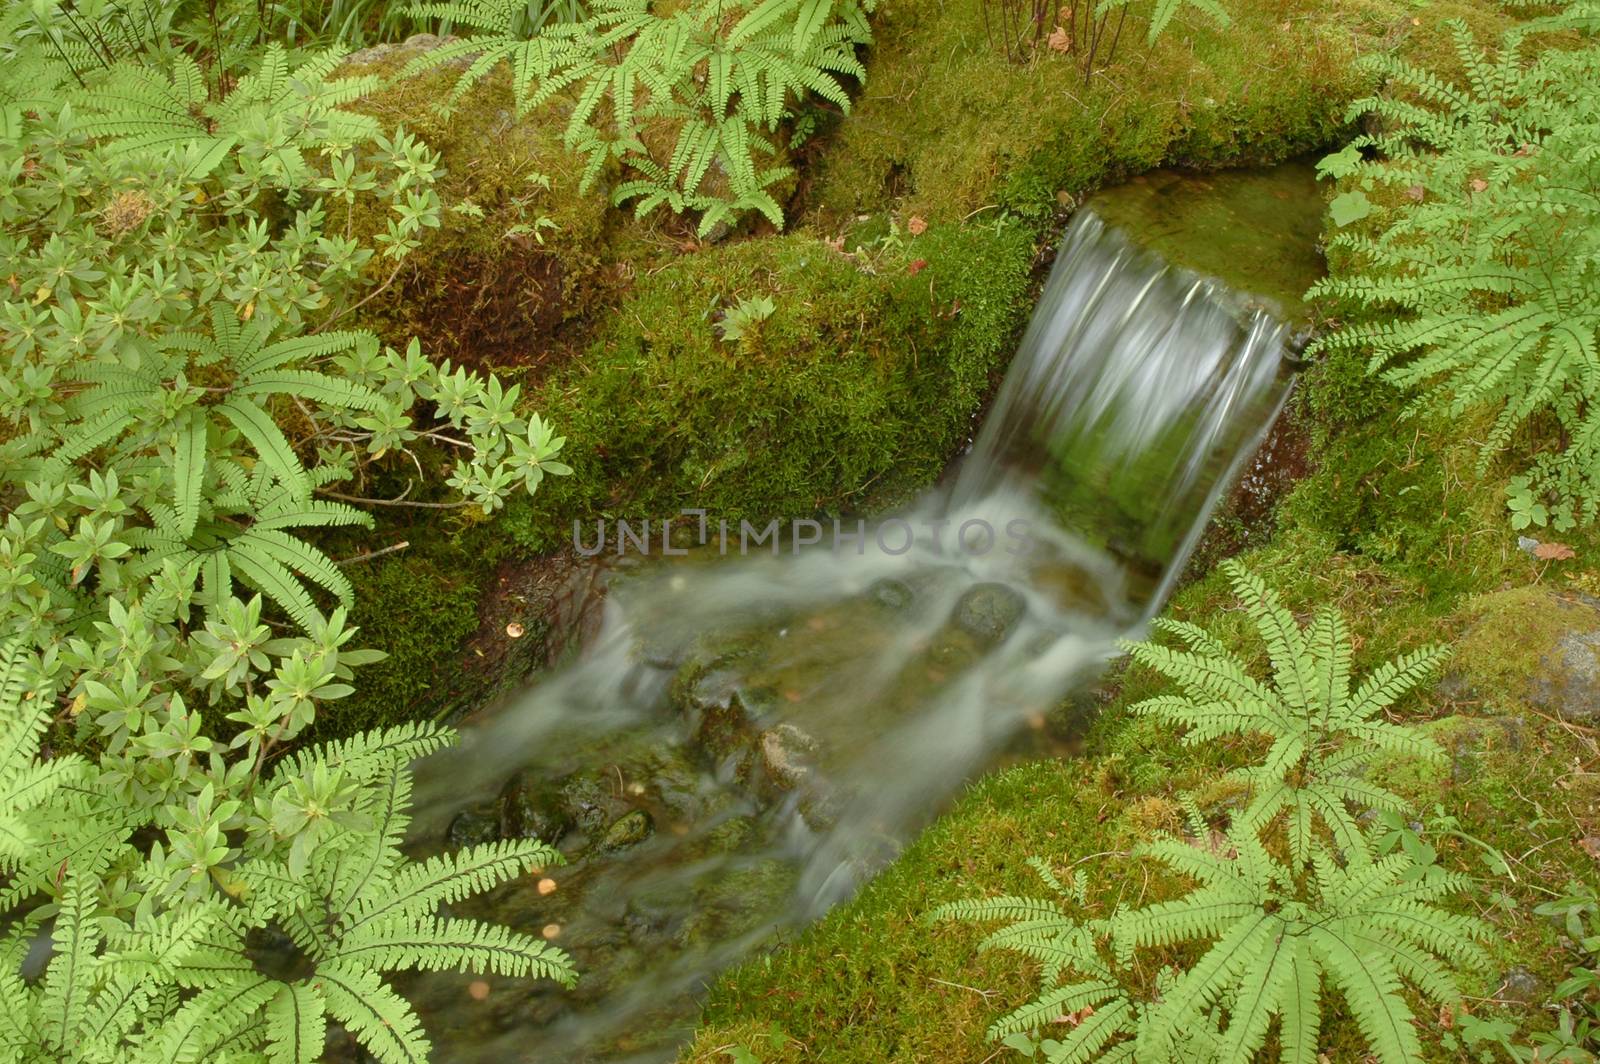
(1531, 646)
(520, 251)
(421, 613)
(857, 387)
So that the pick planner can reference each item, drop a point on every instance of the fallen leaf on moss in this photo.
(1058, 41)
(1553, 552)
(917, 225)
(917, 266)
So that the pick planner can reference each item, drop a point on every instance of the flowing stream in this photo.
(749, 734)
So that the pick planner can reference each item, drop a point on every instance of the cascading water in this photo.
(746, 738)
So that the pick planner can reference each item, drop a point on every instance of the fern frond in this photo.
(379, 1018)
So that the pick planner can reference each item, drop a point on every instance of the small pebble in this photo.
(551, 931)
(479, 990)
(515, 630)
(547, 886)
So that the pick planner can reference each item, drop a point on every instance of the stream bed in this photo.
(753, 729)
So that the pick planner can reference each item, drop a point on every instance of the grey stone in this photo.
(988, 612)
(1568, 681)
(1521, 987)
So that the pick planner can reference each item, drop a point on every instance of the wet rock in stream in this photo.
(988, 612)
(530, 808)
(630, 830)
(788, 755)
(471, 827)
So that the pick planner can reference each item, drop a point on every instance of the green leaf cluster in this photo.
(160, 956)
(690, 102)
(179, 411)
(1295, 899)
(1477, 256)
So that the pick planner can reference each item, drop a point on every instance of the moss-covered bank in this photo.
(1398, 527)
(857, 387)
(948, 125)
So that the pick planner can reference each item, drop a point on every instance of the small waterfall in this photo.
(834, 697)
(1136, 391)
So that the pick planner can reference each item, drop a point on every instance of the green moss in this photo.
(947, 123)
(420, 613)
(520, 251)
(856, 389)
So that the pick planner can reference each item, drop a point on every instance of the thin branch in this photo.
(367, 557)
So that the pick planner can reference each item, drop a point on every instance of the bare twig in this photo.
(367, 557)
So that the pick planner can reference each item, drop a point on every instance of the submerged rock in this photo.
(788, 756)
(988, 612)
(532, 808)
(591, 800)
(630, 830)
(891, 593)
(471, 827)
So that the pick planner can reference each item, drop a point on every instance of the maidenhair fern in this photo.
(276, 114)
(154, 961)
(1292, 904)
(1325, 736)
(1277, 944)
(692, 102)
(1478, 205)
